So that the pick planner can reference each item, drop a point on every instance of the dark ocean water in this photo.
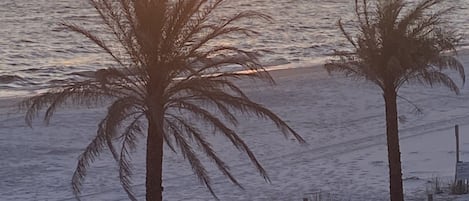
(35, 52)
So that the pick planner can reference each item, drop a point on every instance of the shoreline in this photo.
(279, 71)
(314, 67)
(275, 70)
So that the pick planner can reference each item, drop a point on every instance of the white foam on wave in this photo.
(318, 61)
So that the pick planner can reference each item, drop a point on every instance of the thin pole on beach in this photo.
(456, 131)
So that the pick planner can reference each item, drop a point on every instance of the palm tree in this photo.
(170, 79)
(393, 48)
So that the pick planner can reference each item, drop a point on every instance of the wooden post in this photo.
(429, 197)
(456, 131)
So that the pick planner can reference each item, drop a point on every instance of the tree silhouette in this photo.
(392, 48)
(169, 78)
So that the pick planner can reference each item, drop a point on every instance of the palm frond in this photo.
(129, 143)
(417, 109)
(118, 112)
(223, 28)
(90, 154)
(220, 127)
(351, 67)
(346, 34)
(181, 126)
(98, 41)
(444, 62)
(417, 13)
(194, 133)
(80, 93)
(188, 153)
(239, 103)
(434, 78)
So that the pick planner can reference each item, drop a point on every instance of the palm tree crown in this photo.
(394, 48)
(167, 76)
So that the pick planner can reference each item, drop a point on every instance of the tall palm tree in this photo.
(392, 48)
(169, 78)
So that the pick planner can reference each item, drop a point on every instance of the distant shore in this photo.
(10, 98)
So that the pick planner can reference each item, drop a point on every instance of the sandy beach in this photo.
(341, 119)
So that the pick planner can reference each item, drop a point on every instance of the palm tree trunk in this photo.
(154, 163)
(394, 154)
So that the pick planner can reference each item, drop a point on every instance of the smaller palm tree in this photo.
(169, 79)
(393, 48)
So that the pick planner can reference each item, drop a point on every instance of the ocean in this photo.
(36, 52)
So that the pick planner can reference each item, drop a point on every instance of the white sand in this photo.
(342, 120)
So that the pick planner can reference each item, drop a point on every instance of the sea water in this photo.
(36, 52)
